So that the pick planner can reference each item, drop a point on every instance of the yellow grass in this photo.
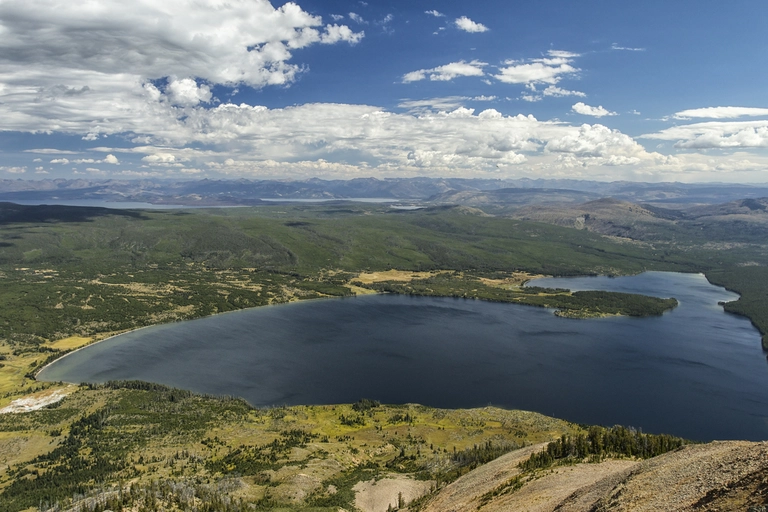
(70, 343)
(12, 373)
(514, 279)
(359, 290)
(393, 275)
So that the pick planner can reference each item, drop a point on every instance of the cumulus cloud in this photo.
(586, 110)
(444, 138)
(436, 14)
(447, 72)
(13, 170)
(187, 93)
(547, 70)
(721, 112)
(597, 141)
(367, 138)
(716, 134)
(467, 25)
(552, 90)
(75, 47)
(558, 92)
(335, 33)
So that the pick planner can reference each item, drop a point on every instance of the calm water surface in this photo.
(695, 372)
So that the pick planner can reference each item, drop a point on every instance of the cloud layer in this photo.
(721, 112)
(239, 41)
(158, 74)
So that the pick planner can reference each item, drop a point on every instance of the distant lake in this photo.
(133, 205)
(100, 203)
(696, 371)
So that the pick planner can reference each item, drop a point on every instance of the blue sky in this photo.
(648, 91)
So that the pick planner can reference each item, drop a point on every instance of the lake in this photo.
(696, 371)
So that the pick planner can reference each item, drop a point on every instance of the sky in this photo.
(340, 89)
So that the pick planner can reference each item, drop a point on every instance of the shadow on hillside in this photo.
(11, 213)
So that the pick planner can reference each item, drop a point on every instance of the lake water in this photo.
(100, 203)
(695, 371)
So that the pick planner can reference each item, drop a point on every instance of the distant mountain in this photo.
(511, 197)
(471, 192)
(742, 220)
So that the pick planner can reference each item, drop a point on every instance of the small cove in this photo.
(695, 371)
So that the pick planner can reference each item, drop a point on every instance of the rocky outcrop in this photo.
(719, 476)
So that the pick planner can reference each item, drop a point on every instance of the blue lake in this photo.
(696, 371)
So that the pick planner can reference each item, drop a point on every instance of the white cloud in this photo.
(586, 110)
(557, 92)
(51, 151)
(552, 90)
(357, 18)
(443, 103)
(615, 46)
(447, 72)
(716, 134)
(160, 158)
(111, 159)
(62, 161)
(721, 112)
(435, 13)
(337, 17)
(598, 141)
(335, 33)
(548, 70)
(13, 170)
(467, 25)
(187, 93)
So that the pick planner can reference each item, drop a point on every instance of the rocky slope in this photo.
(719, 476)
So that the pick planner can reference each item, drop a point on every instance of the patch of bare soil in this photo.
(379, 495)
(37, 400)
(464, 494)
(545, 493)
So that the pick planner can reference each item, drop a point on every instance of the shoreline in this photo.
(129, 331)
